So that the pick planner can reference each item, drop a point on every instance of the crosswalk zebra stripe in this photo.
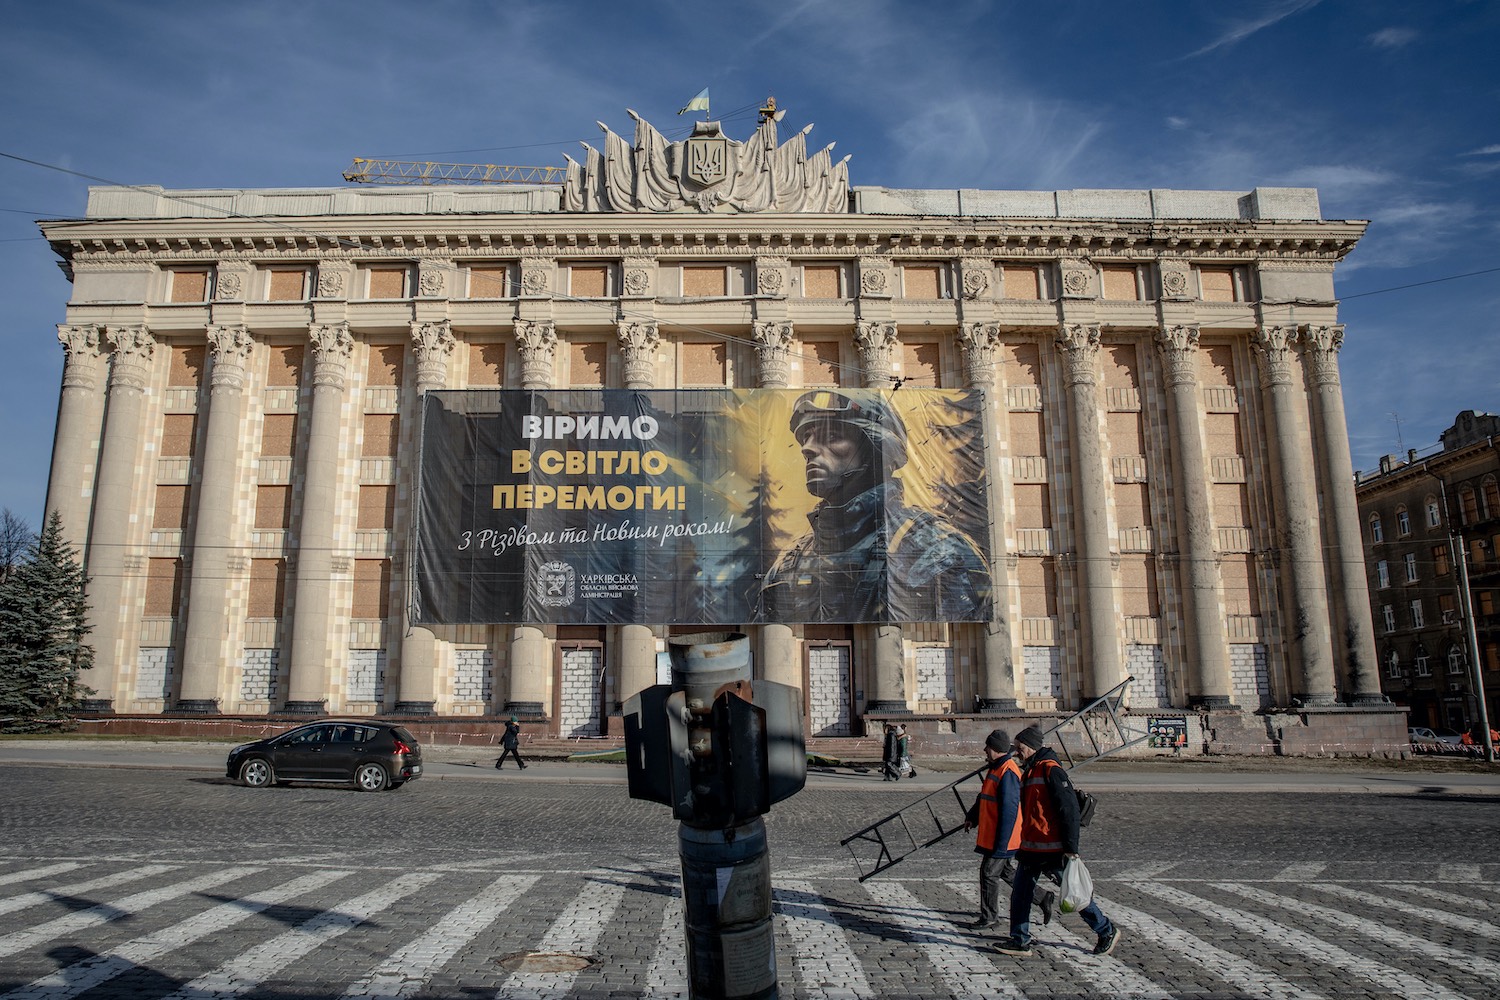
(1461, 904)
(85, 975)
(1394, 981)
(575, 932)
(1109, 976)
(1229, 967)
(103, 913)
(666, 976)
(1299, 872)
(27, 899)
(1150, 869)
(1484, 968)
(406, 972)
(247, 971)
(1458, 921)
(966, 973)
(32, 874)
(823, 953)
(1458, 873)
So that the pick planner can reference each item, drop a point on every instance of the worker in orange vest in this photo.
(997, 814)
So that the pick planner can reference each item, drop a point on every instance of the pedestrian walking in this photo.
(997, 815)
(890, 754)
(510, 744)
(903, 753)
(1049, 837)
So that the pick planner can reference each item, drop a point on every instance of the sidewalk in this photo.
(445, 762)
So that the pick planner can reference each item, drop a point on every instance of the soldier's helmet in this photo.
(870, 415)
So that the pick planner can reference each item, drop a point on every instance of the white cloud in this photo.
(1489, 150)
(1176, 121)
(1241, 30)
(1392, 38)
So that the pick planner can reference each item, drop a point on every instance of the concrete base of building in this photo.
(198, 706)
(420, 708)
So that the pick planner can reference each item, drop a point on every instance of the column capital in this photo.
(133, 347)
(536, 340)
(1179, 352)
(1321, 346)
(332, 348)
(639, 340)
(82, 355)
(230, 347)
(1273, 349)
(979, 341)
(1079, 343)
(433, 343)
(876, 342)
(773, 343)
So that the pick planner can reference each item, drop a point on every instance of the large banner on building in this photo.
(701, 506)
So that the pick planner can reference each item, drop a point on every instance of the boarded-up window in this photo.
(1241, 592)
(1026, 433)
(486, 364)
(922, 281)
(380, 435)
(377, 507)
(273, 507)
(1468, 505)
(1120, 367)
(1138, 586)
(588, 281)
(1231, 506)
(163, 587)
(586, 364)
(1125, 437)
(187, 366)
(490, 281)
(372, 590)
(278, 435)
(1223, 430)
(384, 367)
(177, 431)
(1033, 509)
(921, 366)
(703, 280)
(1132, 505)
(1217, 369)
(1119, 282)
(285, 366)
(267, 588)
(1021, 281)
(703, 364)
(1217, 284)
(387, 282)
(171, 508)
(189, 286)
(820, 364)
(822, 281)
(1023, 365)
(1440, 564)
(1038, 581)
(1491, 498)
(286, 285)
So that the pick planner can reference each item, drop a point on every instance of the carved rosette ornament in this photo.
(976, 279)
(639, 340)
(1321, 346)
(874, 278)
(1273, 349)
(1175, 282)
(1079, 344)
(534, 280)
(81, 356)
(980, 343)
(433, 344)
(332, 347)
(228, 285)
(230, 347)
(773, 348)
(330, 282)
(130, 366)
(1077, 279)
(637, 282)
(876, 343)
(770, 277)
(1179, 354)
(432, 280)
(536, 341)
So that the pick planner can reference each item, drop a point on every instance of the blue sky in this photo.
(1389, 109)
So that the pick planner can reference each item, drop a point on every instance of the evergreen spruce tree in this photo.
(42, 630)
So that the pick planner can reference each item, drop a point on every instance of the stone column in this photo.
(1298, 541)
(536, 341)
(307, 692)
(114, 502)
(639, 340)
(1202, 622)
(1093, 554)
(1320, 348)
(432, 344)
(779, 659)
(80, 412)
(981, 342)
(205, 650)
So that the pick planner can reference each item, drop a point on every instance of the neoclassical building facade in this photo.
(1171, 492)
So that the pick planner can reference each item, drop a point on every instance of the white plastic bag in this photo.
(1077, 886)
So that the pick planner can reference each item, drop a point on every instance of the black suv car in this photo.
(371, 755)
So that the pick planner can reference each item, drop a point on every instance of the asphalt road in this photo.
(151, 876)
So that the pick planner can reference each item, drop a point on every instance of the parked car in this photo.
(371, 755)
(1426, 740)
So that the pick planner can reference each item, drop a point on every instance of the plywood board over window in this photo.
(1025, 428)
(1021, 281)
(177, 432)
(1217, 284)
(381, 430)
(1241, 592)
(267, 588)
(377, 507)
(187, 366)
(1023, 366)
(491, 281)
(189, 286)
(704, 280)
(163, 587)
(586, 364)
(820, 364)
(822, 281)
(372, 588)
(704, 364)
(385, 365)
(1125, 434)
(1217, 369)
(171, 508)
(284, 366)
(588, 281)
(284, 285)
(486, 364)
(273, 507)
(1132, 505)
(1038, 584)
(278, 435)
(1033, 508)
(922, 281)
(388, 282)
(1119, 282)
(921, 366)
(1138, 598)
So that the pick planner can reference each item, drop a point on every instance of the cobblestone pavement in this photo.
(119, 883)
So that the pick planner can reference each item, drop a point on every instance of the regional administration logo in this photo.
(554, 585)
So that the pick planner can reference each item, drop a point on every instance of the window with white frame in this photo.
(1455, 660)
(1392, 664)
(1423, 664)
(1434, 514)
(1382, 574)
(1377, 532)
(1411, 567)
(1388, 614)
(1416, 614)
(1403, 521)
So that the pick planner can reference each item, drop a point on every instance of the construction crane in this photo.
(366, 171)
